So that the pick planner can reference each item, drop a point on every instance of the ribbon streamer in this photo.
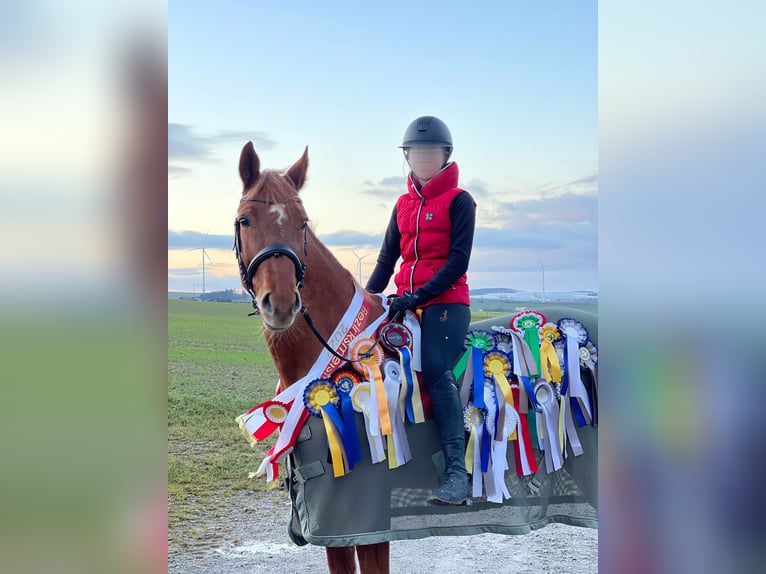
(524, 456)
(499, 489)
(398, 447)
(344, 380)
(576, 389)
(474, 422)
(363, 402)
(549, 421)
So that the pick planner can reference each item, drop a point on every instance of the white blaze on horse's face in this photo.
(274, 281)
(279, 209)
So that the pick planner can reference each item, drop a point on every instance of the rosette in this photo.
(371, 364)
(578, 330)
(499, 366)
(397, 338)
(549, 425)
(321, 399)
(345, 379)
(527, 320)
(528, 323)
(261, 421)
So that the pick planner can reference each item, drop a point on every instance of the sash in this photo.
(351, 325)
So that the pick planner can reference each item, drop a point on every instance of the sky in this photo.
(516, 82)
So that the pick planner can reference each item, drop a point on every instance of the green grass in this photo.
(218, 368)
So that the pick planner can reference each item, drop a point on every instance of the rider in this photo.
(431, 229)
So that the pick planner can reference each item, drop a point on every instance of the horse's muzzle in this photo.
(279, 312)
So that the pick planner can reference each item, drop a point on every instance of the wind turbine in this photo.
(359, 264)
(204, 255)
(542, 267)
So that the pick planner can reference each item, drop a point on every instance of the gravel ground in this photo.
(248, 534)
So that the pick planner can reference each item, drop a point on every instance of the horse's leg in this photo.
(340, 559)
(374, 558)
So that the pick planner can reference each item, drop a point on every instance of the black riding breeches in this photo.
(443, 327)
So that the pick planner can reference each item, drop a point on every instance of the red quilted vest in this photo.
(425, 227)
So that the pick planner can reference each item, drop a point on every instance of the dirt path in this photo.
(248, 534)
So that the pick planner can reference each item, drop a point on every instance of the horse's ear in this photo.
(297, 171)
(249, 166)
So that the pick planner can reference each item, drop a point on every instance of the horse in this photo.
(288, 272)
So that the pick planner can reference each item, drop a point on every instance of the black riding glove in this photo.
(407, 302)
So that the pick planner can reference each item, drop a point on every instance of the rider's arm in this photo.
(387, 258)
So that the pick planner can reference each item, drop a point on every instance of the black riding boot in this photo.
(449, 421)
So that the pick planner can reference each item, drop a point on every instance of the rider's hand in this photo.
(407, 302)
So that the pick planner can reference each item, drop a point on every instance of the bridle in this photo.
(278, 250)
(272, 250)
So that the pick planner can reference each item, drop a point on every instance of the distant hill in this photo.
(492, 290)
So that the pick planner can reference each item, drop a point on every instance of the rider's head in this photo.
(427, 145)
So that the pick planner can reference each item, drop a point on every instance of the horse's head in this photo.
(270, 238)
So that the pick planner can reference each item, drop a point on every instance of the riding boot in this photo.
(448, 413)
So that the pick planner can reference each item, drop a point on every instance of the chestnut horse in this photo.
(290, 269)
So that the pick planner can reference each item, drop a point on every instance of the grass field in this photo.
(218, 368)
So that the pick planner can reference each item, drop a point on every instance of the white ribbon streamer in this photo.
(499, 459)
(411, 322)
(549, 423)
(392, 384)
(363, 402)
(576, 388)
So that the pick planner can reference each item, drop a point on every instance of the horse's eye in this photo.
(244, 222)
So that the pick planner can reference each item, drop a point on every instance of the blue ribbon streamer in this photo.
(332, 413)
(576, 410)
(484, 448)
(406, 362)
(478, 378)
(350, 436)
(530, 392)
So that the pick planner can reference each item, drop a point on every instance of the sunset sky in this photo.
(515, 82)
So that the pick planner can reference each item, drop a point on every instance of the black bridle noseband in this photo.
(278, 250)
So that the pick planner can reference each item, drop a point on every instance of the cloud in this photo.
(387, 187)
(192, 239)
(584, 186)
(351, 239)
(185, 145)
(477, 188)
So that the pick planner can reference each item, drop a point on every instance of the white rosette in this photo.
(549, 424)
(363, 401)
(398, 447)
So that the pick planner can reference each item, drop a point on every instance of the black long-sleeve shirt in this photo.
(462, 213)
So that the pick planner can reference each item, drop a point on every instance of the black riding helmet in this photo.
(427, 131)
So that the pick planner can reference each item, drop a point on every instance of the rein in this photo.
(278, 250)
